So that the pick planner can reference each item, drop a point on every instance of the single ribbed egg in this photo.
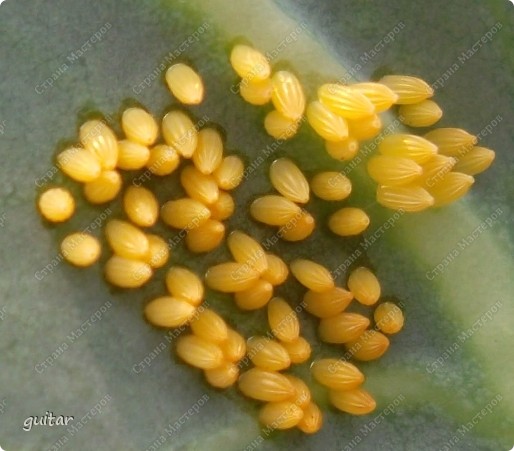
(287, 96)
(127, 273)
(202, 187)
(180, 133)
(56, 204)
(163, 160)
(205, 237)
(185, 84)
(168, 311)
(184, 284)
(81, 249)
(126, 240)
(247, 250)
(312, 275)
(184, 213)
(287, 178)
(132, 155)
(79, 164)
(139, 126)
(348, 221)
(103, 189)
(249, 63)
(100, 140)
(229, 174)
(141, 206)
(158, 251)
(209, 151)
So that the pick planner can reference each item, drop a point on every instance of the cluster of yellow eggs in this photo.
(413, 173)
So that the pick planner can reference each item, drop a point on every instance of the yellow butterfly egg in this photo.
(345, 102)
(365, 128)
(79, 164)
(355, 402)
(199, 186)
(180, 133)
(185, 84)
(267, 354)
(451, 187)
(132, 155)
(184, 284)
(452, 142)
(247, 250)
(364, 286)
(408, 89)
(422, 114)
(389, 318)
(223, 208)
(249, 63)
(302, 396)
(370, 345)
(331, 185)
(229, 174)
(81, 249)
(101, 141)
(379, 95)
(337, 374)
(256, 92)
(206, 237)
(103, 189)
(158, 253)
(263, 385)
(411, 198)
(254, 297)
(277, 271)
(299, 350)
(280, 415)
(312, 275)
(139, 126)
(234, 347)
(141, 206)
(348, 221)
(163, 160)
(312, 420)
(283, 320)
(328, 303)
(168, 311)
(126, 240)
(475, 161)
(199, 352)
(210, 326)
(287, 178)
(325, 123)
(231, 277)
(299, 229)
(342, 328)
(434, 169)
(184, 213)
(393, 171)
(222, 377)
(209, 151)
(127, 273)
(274, 210)
(279, 126)
(342, 150)
(56, 205)
(287, 96)
(414, 147)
